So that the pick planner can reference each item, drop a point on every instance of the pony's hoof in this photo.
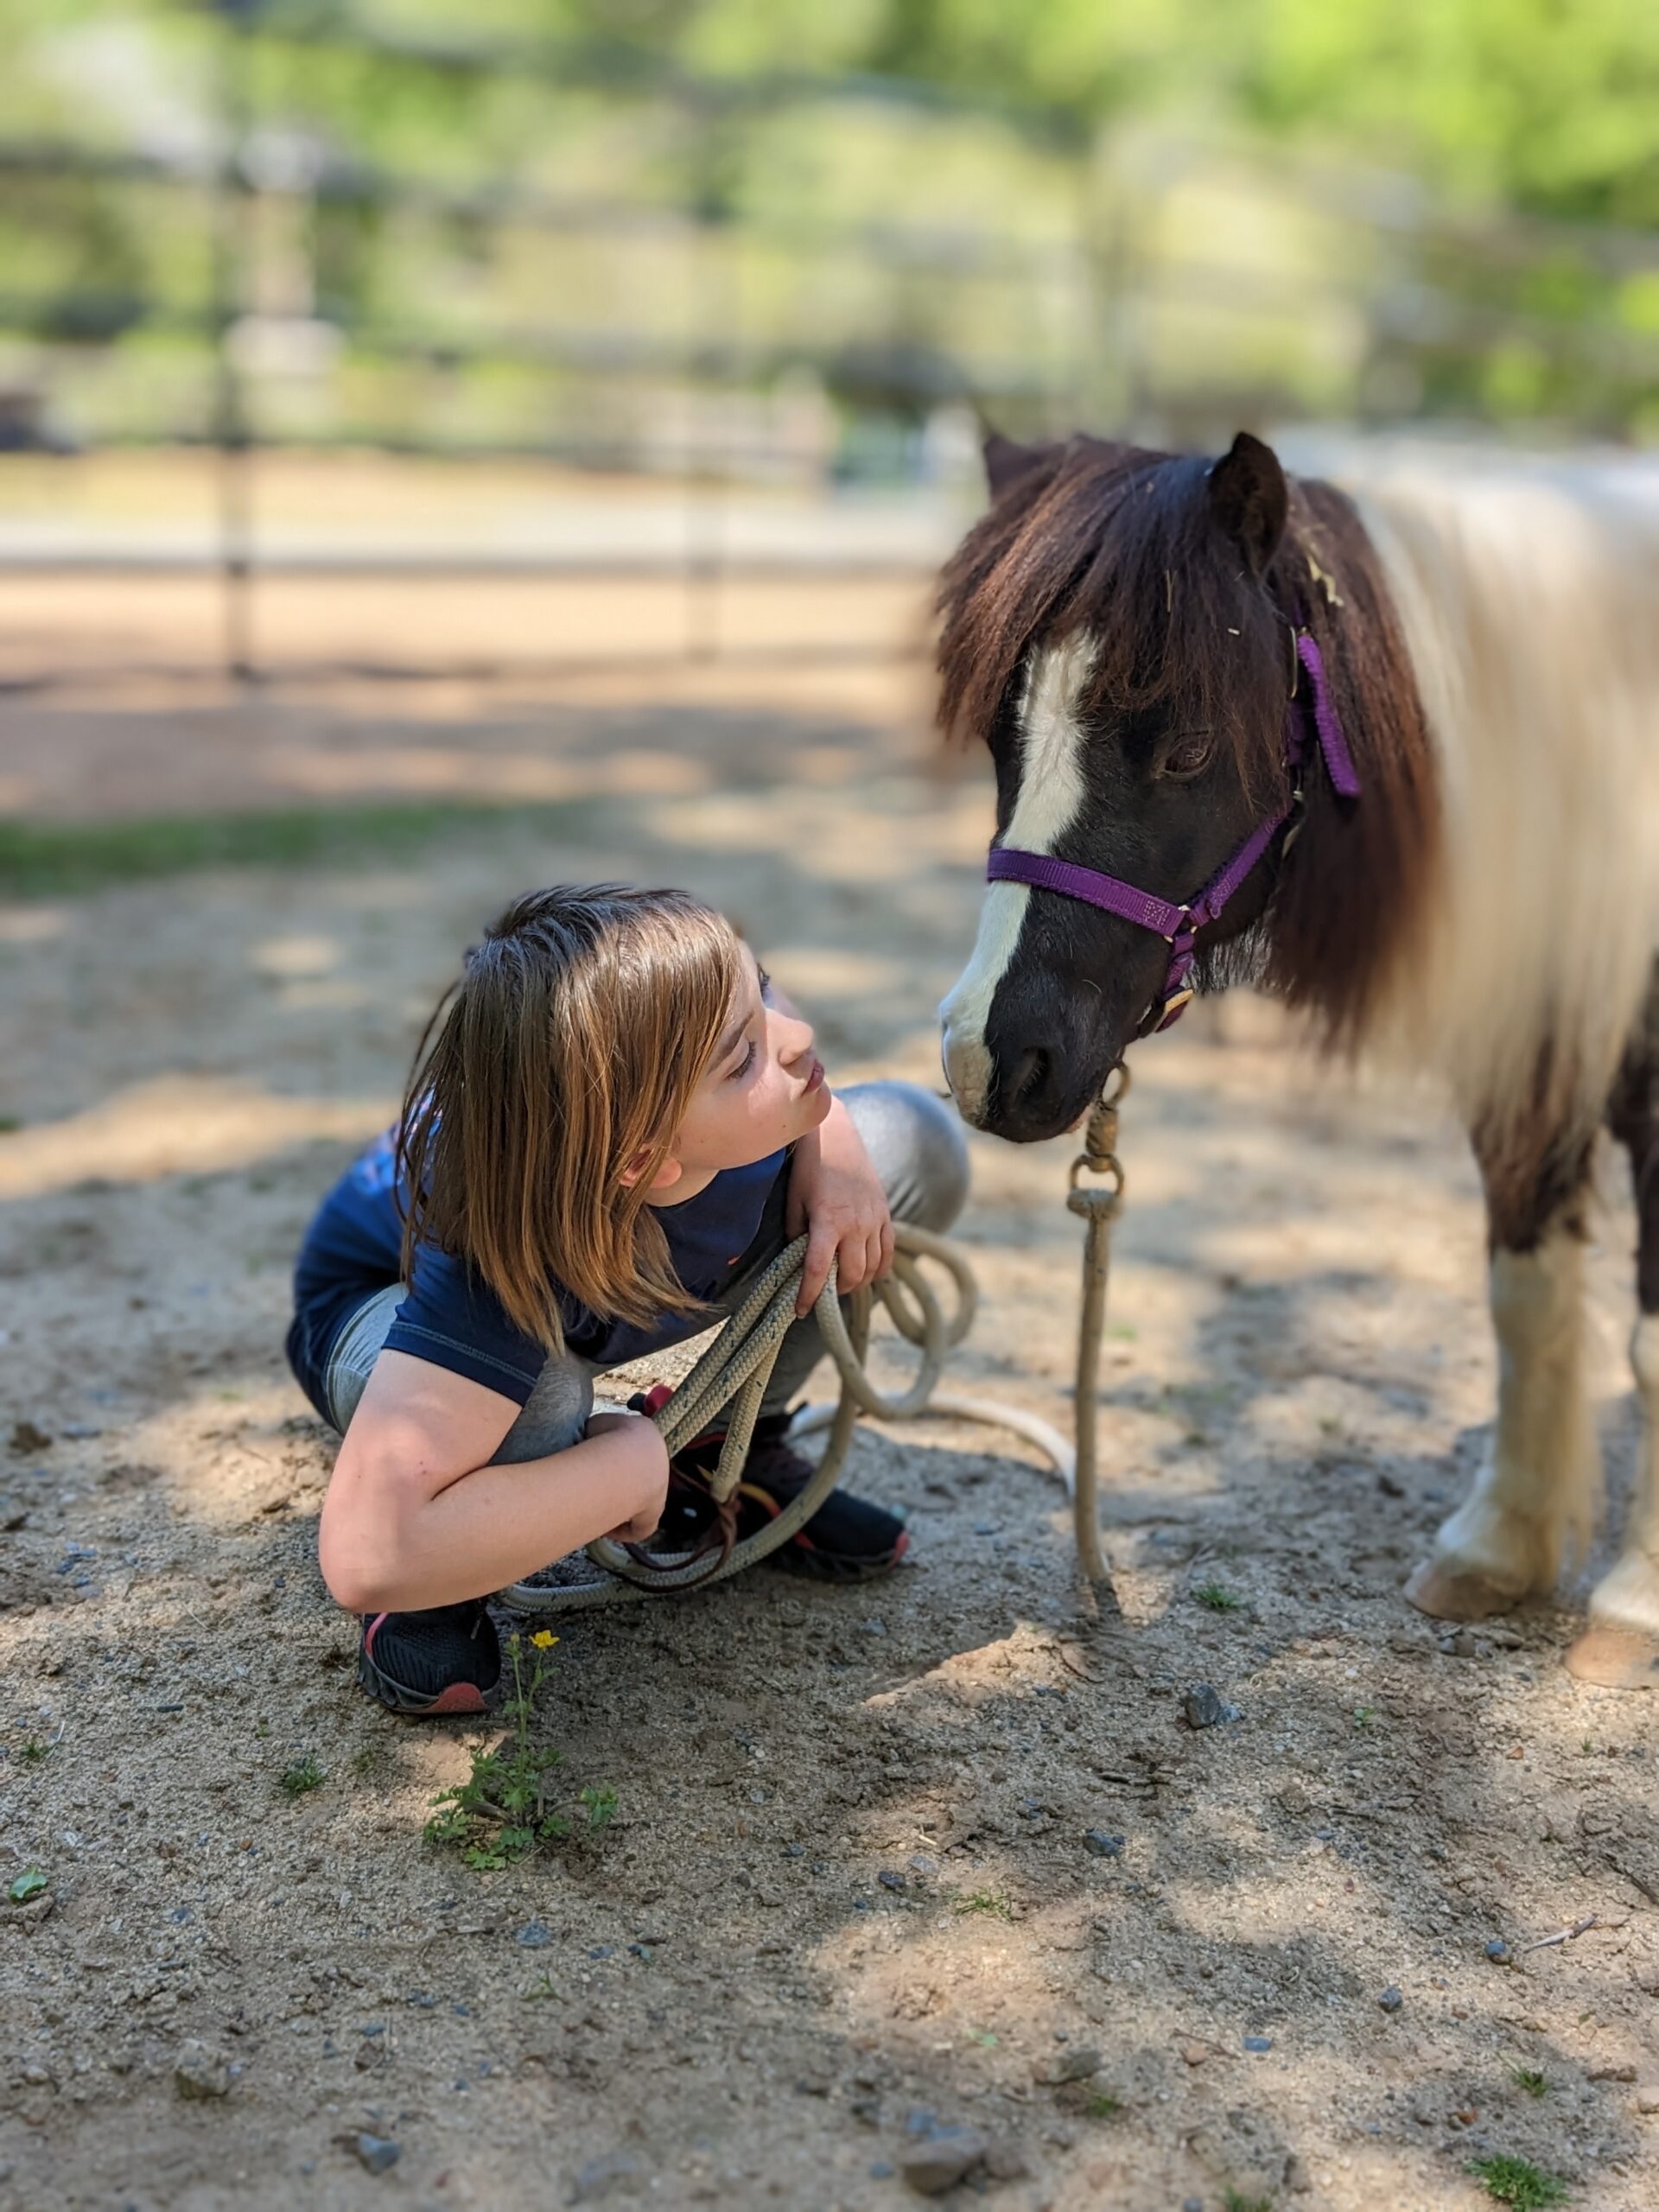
(1617, 1658)
(1446, 1595)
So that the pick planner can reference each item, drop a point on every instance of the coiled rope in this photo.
(735, 1369)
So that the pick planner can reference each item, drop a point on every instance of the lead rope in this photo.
(735, 1369)
(1099, 1208)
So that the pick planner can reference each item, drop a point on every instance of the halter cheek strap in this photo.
(1180, 925)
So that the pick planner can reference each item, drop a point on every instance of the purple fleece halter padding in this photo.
(1180, 925)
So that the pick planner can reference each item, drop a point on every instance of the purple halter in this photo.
(1180, 925)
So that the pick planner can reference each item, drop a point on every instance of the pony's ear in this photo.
(1006, 460)
(1250, 499)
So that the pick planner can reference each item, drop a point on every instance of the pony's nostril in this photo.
(1029, 1073)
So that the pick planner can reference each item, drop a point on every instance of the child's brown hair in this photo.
(547, 1091)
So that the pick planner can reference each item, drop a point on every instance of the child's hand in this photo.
(647, 1514)
(836, 1196)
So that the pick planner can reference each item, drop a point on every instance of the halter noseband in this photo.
(1180, 925)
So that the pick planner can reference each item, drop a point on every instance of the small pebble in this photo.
(199, 2074)
(940, 2160)
(376, 2152)
(889, 1880)
(1102, 1845)
(1258, 2042)
(534, 1936)
(1499, 1953)
(1191, 2205)
(1205, 1707)
(1390, 2000)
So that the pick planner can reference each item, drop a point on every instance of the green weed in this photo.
(1234, 2200)
(34, 1752)
(304, 1775)
(1100, 2104)
(1518, 2183)
(1216, 1597)
(23, 1887)
(1363, 1716)
(1529, 2079)
(994, 1902)
(504, 1812)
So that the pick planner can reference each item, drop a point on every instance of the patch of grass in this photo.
(996, 1903)
(33, 1752)
(1363, 1716)
(540, 1992)
(1518, 2183)
(1529, 2079)
(10, 1125)
(1100, 2104)
(368, 1758)
(304, 1775)
(1216, 1597)
(504, 1811)
(46, 859)
(1234, 2200)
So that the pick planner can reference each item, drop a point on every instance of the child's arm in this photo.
(836, 1195)
(415, 1517)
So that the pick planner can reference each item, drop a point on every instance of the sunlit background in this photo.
(663, 329)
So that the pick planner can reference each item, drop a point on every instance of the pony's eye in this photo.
(1188, 757)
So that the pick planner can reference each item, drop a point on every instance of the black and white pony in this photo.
(1393, 756)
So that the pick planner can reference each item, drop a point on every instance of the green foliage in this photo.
(1529, 2079)
(24, 1886)
(995, 1903)
(1363, 1716)
(1100, 2104)
(1234, 2200)
(1216, 1597)
(1518, 2183)
(46, 859)
(505, 1810)
(304, 1775)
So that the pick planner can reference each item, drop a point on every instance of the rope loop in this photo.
(730, 1379)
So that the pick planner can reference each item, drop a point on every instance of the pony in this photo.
(1389, 751)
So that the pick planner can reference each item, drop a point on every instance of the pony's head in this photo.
(1111, 630)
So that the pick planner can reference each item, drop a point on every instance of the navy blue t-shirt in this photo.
(354, 1249)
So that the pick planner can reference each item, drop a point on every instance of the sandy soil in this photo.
(849, 1885)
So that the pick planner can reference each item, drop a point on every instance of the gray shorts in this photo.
(916, 1144)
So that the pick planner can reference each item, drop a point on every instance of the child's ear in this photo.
(665, 1180)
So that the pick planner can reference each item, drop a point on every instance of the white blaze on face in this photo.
(1049, 796)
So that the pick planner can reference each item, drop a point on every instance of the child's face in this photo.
(764, 1089)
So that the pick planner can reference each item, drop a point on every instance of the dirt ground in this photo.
(848, 1899)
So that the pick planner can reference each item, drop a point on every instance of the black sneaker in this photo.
(448, 1659)
(846, 1539)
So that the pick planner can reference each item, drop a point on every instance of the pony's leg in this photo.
(1621, 1646)
(1538, 1485)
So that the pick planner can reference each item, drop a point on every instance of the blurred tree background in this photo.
(774, 237)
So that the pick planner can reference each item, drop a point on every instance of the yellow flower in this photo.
(543, 1639)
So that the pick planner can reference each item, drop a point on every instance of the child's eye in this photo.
(743, 1065)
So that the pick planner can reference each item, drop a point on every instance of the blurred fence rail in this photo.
(778, 289)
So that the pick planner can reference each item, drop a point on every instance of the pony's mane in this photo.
(1120, 541)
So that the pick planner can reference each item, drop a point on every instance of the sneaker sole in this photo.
(815, 1565)
(460, 1697)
